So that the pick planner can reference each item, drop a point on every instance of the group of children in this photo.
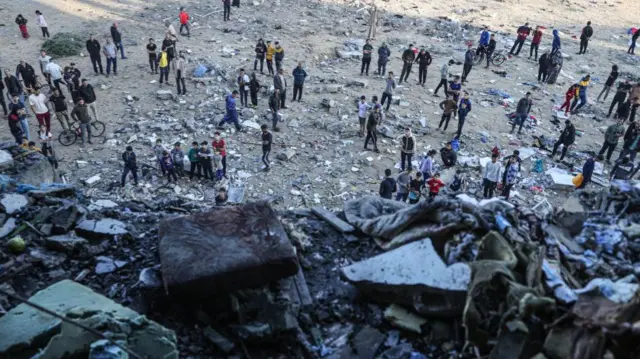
(202, 159)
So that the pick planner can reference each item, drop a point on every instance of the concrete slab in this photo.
(106, 228)
(13, 202)
(6, 160)
(333, 220)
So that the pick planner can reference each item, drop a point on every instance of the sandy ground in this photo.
(309, 31)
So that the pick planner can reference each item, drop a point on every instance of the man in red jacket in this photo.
(535, 42)
(184, 21)
(523, 32)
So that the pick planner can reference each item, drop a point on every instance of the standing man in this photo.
(299, 75)
(372, 123)
(535, 42)
(261, 50)
(388, 185)
(243, 85)
(184, 21)
(117, 40)
(43, 60)
(86, 92)
(408, 57)
(383, 59)
(387, 94)
(522, 112)
(270, 52)
(130, 165)
(586, 34)
(613, 76)
(280, 83)
(567, 137)
(463, 110)
(93, 48)
(274, 106)
(179, 68)
(110, 52)
(630, 140)
(491, 48)
(424, 60)
(611, 137)
(367, 50)
(484, 41)
(38, 103)
(194, 160)
(227, 9)
(448, 107)
(555, 45)
(523, 32)
(163, 64)
(232, 112)
(279, 55)
(81, 113)
(634, 39)
(28, 74)
(543, 67)
(408, 143)
(205, 156)
(76, 75)
(621, 94)
(362, 114)
(60, 107)
(468, 64)
(444, 78)
(153, 56)
(267, 139)
(55, 73)
(491, 176)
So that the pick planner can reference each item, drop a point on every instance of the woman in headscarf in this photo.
(22, 24)
(555, 67)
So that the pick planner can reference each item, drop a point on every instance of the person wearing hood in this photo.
(232, 112)
(367, 50)
(567, 137)
(383, 59)
(543, 67)
(270, 51)
(448, 156)
(611, 137)
(555, 45)
(535, 42)
(299, 75)
(491, 48)
(22, 25)
(463, 110)
(613, 76)
(254, 88)
(582, 94)
(279, 55)
(408, 57)
(444, 78)
(260, 50)
(424, 60)
(117, 39)
(586, 34)
(523, 32)
(632, 46)
(468, 63)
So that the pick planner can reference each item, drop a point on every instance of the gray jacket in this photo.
(279, 84)
(391, 84)
(444, 71)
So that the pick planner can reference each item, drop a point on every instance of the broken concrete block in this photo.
(13, 202)
(251, 124)
(65, 243)
(106, 265)
(404, 319)
(164, 95)
(343, 53)
(286, 155)
(404, 103)
(64, 218)
(24, 330)
(333, 220)
(333, 88)
(218, 340)
(573, 205)
(97, 230)
(92, 180)
(256, 246)
(6, 160)
(358, 83)
(367, 342)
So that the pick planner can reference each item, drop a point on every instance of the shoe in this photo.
(82, 144)
(91, 143)
(366, 148)
(376, 150)
(519, 133)
(124, 58)
(436, 95)
(276, 129)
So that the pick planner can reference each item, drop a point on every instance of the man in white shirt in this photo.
(55, 74)
(43, 60)
(491, 176)
(38, 103)
(243, 84)
(362, 114)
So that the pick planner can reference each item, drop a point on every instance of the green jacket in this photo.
(193, 155)
(614, 132)
(367, 50)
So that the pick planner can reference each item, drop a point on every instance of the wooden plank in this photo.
(333, 220)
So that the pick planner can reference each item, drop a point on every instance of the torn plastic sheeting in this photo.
(588, 258)
(606, 237)
(554, 281)
(200, 71)
(621, 291)
(497, 92)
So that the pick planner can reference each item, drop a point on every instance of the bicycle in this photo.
(70, 136)
(497, 57)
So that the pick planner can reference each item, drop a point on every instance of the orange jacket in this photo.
(184, 17)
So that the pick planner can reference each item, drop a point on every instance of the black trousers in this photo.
(195, 166)
(29, 81)
(274, 118)
(164, 74)
(254, 97)
(134, 172)
(386, 96)
(3, 103)
(184, 26)
(466, 69)
(180, 80)
(265, 156)
(406, 70)
(224, 165)
(371, 135)
(506, 191)
(519, 44)
(57, 83)
(255, 64)
(270, 67)
(616, 101)
(405, 158)
(534, 47)
(278, 65)
(227, 11)
(365, 65)
(555, 149)
(422, 74)
(96, 61)
(297, 90)
(207, 168)
(488, 57)
(171, 173)
(444, 119)
(45, 31)
(609, 147)
(542, 74)
(382, 68)
(489, 187)
(461, 120)
(443, 83)
(153, 64)
(583, 45)
(243, 96)
(283, 97)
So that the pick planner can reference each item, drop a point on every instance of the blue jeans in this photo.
(112, 61)
(119, 45)
(231, 116)
(402, 196)
(25, 127)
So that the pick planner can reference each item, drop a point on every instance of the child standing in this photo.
(217, 163)
(571, 93)
(158, 149)
(46, 140)
(178, 159)
(168, 166)
(434, 184)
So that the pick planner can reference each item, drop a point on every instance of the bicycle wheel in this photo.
(67, 137)
(97, 128)
(477, 58)
(499, 59)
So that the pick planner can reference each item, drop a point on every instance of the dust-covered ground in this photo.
(329, 165)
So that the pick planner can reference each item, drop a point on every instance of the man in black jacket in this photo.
(388, 185)
(117, 39)
(60, 108)
(408, 57)
(261, 50)
(587, 32)
(372, 123)
(94, 49)
(630, 144)
(522, 112)
(490, 49)
(424, 60)
(130, 165)
(28, 74)
(468, 64)
(624, 88)
(89, 96)
(567, 137)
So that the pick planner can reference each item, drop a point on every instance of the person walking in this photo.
(383, 59)
(110, 53)
(43, 24)
(543, 67)
(278, 53)
(567, 137)
(408, 146)
(387, 94)
(408, 57)
(535, 42)
(55, 72)
(299, 75)
(270, 51)
(490, 49)
(81, 113)
(153, 56)
(424, 60)
(624, 88)
(180, 67)
(611, 137)
(280, 83)
(260, 50)
(388, 185)
(117, 40)
(491, 176)
(435, 184)
(448, 108)
(582, 94)
(254, 88)
(568, 96)
(93, 48)
(27, 73)
(468, 63)
(14, 126)
(243, 86)
(38, 102)
(632, 46)
(274, 106)
(463, 110)
(586, 34)
(372, 123)
(267, 140)
(555, 45)
(184, 21)
(613, 76)
(220, 146)
(522, 112)
(130, 165)
(163, 64)
(232, 112)
(444, 78)
(227, 9)
(87, 93)
(60, 107)
(44, 60)
(367, 50)
(523, 33)
(22, 25)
